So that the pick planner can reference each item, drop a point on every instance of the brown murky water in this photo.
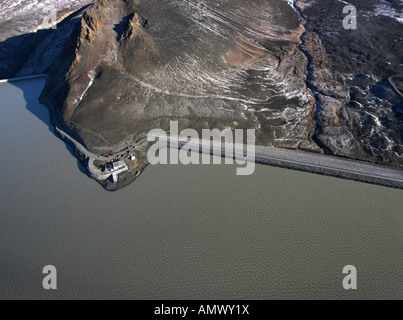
(184, 232)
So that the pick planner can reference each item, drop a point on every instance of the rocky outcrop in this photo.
(291, 73)
(137, 64)
(357, 114)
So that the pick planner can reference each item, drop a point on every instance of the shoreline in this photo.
(298, 160)
(11, 80)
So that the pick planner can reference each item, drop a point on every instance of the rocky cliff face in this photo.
(135, 65)
(290, 72)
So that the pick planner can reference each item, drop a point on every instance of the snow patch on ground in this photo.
(24, 16)
(385, 9)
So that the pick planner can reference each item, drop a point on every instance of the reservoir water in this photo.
(184, 232)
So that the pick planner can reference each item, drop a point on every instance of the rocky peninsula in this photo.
(289, 71)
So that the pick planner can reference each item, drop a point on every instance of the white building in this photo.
(115, 168)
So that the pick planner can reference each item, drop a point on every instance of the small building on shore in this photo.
(114, 169)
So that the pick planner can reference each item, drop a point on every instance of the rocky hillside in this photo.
(134, 65)
(359, 113)
(289, 70)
